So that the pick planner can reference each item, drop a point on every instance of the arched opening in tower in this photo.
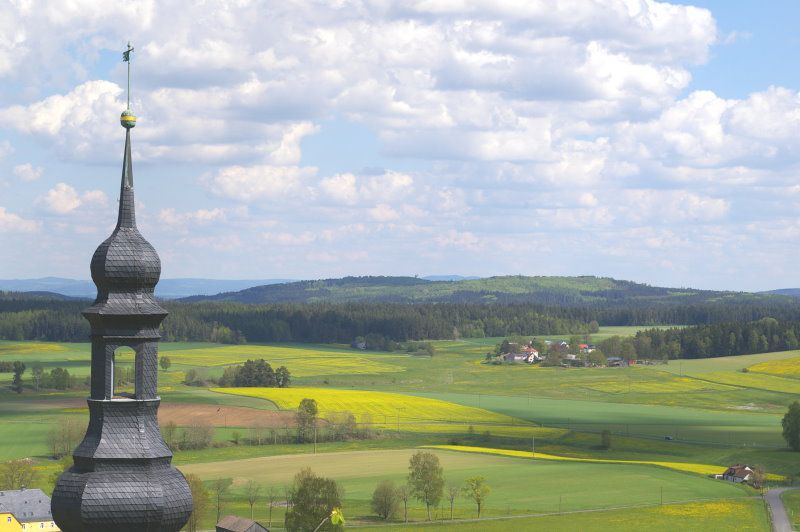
(123, 369)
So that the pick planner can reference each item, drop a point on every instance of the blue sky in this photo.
(641, 140)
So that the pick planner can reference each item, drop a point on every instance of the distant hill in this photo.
(166, 289)
(792, 292)
(509, 289)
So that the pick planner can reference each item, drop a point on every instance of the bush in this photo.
(385, 500)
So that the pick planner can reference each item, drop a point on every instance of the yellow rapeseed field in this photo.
(394, 410)
(702, 469)
(19, 348)
(301, 362)
(789, 367)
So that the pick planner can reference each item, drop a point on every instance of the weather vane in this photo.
(126, 57)
(128, 119)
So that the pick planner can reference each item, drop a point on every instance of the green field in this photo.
(745, 515)
(527, 486)
(792, 501)
(712, 411)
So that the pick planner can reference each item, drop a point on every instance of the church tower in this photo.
(122, 479)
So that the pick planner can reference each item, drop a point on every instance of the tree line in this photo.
(34, 318)
(705, 341)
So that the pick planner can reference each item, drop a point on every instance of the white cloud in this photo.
(13, 223)
(254, 183)
(351, 189)
(64, 199)
(28, 172)
(201, 216)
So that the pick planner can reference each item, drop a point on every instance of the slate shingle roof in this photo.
(232, 523)
(122, 479)
(26, 505)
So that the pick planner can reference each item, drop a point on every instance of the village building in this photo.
(232, 523)
(25, 509)
(737, 473)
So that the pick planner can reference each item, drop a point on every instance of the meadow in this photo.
(791, 499)
(707, 413)
(745, 515)
(519, 486)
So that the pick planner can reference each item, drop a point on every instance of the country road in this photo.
(780, 519)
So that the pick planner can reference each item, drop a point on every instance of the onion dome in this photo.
(125, 264)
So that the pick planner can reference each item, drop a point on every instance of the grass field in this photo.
(518, 486)
(791, 499)
(713, 413)
(745, 515)
(653, 421)
(700, 469)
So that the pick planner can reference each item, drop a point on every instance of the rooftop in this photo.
(26, 505)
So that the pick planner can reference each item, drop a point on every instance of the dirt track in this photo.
(184, 414)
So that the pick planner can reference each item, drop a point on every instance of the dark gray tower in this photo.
(122, 480)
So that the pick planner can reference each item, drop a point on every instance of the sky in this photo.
(650, 141)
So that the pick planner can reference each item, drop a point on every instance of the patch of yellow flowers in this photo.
(789, 367)
(383, 408)
(702, 469)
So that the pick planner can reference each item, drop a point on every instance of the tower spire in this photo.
(127, 213)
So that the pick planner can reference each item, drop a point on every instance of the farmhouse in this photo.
(737, 473)
(25, 509)
(231, 523)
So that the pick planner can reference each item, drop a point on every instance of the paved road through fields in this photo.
(780, 519)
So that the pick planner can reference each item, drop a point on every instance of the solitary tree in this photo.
(272, 496)
(452, 493)
(165, 362)
(199, 501)
(282, 377)
(220, 488)
(404, 493)
(426, 479)
(605, 439)
(384, 499)
(306, 418)
(19, 369)
(477, 489)
(38, 373)
(251, 490)
(791, 426)
(313, 499)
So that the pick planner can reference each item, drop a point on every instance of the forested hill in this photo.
(550, 291)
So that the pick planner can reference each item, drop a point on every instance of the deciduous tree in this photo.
(791, 426)
(477, 489)
(200, 501)
(306, 419)
(251, 491)
(426, 479)
(220, 487)
(19, 369)
(312, 500)
(17, 474)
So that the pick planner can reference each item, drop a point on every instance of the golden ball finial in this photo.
(128, 119)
